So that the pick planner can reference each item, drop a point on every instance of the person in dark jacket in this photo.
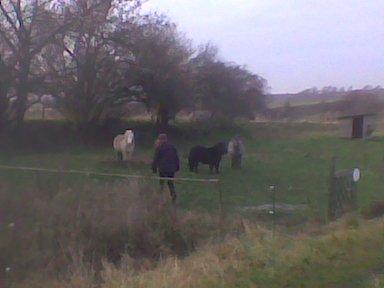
(166, 162)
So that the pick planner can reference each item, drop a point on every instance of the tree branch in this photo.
(68, 51)
(19, 16)
(9, 19)
(8, 41)
(33, 17)
(49, 38)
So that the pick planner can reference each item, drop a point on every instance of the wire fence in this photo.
(38, 204)
(90, 173)
(96, 197)
(207, 194)
(32, 187)
(193, 193)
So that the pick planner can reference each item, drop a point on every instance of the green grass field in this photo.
(296, 157)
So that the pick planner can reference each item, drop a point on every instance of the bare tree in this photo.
(87, 70)
(26, 27)
(362, 102)
(5, 84)
(160, 64)
(226, 89)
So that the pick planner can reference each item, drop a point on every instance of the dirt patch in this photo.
(279, 207)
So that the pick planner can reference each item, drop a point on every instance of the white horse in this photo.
(124, 145)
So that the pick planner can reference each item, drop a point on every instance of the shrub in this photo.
(376, 209)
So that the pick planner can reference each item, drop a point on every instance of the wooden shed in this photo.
(357, 126)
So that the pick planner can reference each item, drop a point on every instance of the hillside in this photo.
(314, 96)
(325, 107)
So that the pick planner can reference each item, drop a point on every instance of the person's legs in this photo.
(171, 186)
(172, 190)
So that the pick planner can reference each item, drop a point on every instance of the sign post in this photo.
(342, 191)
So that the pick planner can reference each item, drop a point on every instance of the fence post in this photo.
(332, 190)
(58, 182)
(273, 190)
(221, 207)
(342, 190)
(38, 180)
(353, 188)
(220, 200)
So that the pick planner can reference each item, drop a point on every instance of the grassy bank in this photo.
(347, 254)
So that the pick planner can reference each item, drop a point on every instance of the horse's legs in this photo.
(119, 156)
(211, 168)
(191, 165)
(217, 165)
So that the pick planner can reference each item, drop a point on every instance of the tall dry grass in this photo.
(124, 234)
(348, 253)
(345, 254)
(72, 234)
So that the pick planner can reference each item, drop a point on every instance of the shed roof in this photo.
(357, 115)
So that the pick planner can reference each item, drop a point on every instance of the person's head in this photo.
(162, 139)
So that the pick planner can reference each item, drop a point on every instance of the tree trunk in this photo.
(86, 132)
(3, 109)
(1, 128)
(21, 108)
(22, 90)
(162, 120)
(4, 102)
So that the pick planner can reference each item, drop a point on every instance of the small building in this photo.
(359, 126)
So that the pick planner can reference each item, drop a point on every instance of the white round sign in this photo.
(356, 174)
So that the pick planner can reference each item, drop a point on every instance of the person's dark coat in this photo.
(166, 159)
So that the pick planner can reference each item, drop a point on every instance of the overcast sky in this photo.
(294, 44)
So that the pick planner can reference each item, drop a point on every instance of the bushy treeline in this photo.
(93, 56)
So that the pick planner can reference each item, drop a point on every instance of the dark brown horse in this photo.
(210, 156)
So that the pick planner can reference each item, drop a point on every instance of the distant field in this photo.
(275, 103)
(317, 112)
(280, 100)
